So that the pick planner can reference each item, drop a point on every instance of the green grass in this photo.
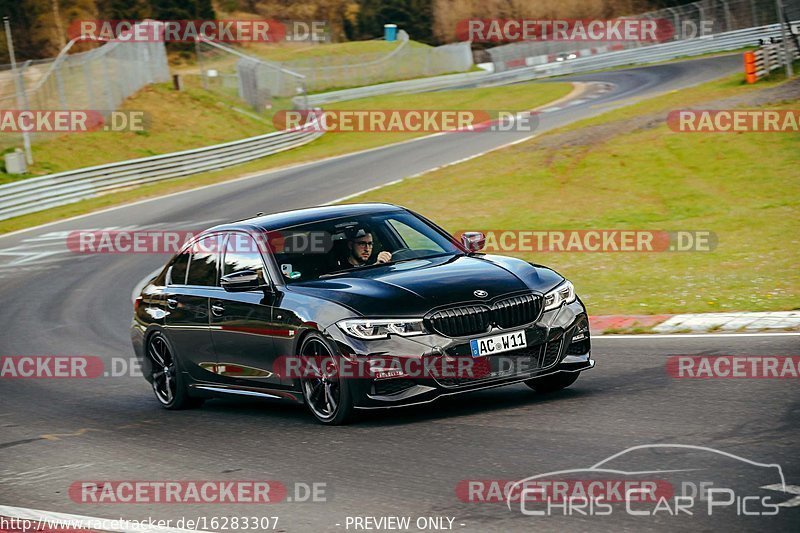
(202, 120)
(195, 118)
(743, 187)
(300, 51)
(175, 121)
(288, 51)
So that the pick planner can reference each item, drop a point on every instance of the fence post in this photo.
(20, 88)
(87, 77)
(727, 11)
(198, 52)
(62, 99)
(787, 57)
(677, 23)
(107, 84)
(702, 17)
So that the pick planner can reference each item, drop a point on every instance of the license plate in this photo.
(498, 344)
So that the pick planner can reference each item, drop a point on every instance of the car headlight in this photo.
(564, 293)
(368, 328)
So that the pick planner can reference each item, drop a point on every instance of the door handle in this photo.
(172, 303)
(217, 308)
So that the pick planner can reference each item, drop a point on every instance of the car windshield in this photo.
(337, 246)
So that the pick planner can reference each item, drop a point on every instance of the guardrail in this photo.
(414, 85)
(765, 59)
(36, 194)
(718, 42)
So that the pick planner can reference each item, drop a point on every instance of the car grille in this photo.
(389, 387)
(461, 321)
(476, 319)
(551, 353)
(517, 311)
(578, 348)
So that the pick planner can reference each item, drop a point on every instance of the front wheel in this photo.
(553, 383)
(169, 384)
(326, 394)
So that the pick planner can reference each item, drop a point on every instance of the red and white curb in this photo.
(730, 322)
(699, 323)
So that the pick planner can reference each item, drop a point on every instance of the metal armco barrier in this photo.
(765, 59)
(36, 194)
(718, 42)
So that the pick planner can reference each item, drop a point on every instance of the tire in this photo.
(553, 383)
(326, 395)
(168, 382)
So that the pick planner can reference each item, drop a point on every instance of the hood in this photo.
(412, 288)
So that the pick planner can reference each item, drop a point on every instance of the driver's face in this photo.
(361, 248)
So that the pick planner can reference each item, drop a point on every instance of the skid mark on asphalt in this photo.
(83, 431)
(17, 442)
(59, 436)
(46, 473)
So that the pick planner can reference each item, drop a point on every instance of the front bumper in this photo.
(558, 342)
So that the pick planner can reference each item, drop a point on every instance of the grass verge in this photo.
(82, 150)
(744, 187)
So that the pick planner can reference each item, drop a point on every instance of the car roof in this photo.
(285, 219)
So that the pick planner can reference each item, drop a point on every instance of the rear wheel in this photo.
(553, 383)
(169, 383)
(326, 394)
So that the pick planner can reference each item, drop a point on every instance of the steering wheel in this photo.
(403, 253)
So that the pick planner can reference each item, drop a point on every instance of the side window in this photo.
(203, 265)
(242, 253)
(177, 272)
(413, 238)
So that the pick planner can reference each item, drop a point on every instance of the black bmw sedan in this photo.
(352, 307)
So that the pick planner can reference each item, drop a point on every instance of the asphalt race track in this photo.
(399, 463)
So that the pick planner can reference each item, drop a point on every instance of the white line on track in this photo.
(86, 522)
(434, 169)
(668, 336)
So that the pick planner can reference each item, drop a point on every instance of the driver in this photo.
(360, 244)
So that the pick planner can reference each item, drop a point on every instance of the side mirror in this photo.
(474, 241)
(241, 281)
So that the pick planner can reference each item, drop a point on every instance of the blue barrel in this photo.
(390, 32)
